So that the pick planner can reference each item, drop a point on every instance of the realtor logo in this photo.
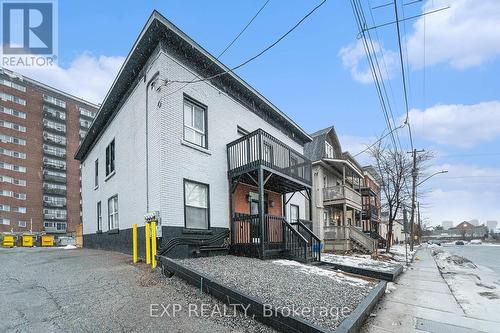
(29, 32)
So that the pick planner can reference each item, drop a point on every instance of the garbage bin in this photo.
(8, 241)
(27, 241)
(47, 240)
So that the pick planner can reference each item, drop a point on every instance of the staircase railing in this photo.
(314, 246)
(294, 242)
(360, 237)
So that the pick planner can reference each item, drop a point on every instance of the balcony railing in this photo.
(341, 192)
(260, 148)
(55, 227)
(370, 212)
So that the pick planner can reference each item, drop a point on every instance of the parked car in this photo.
(435, 242)
(459, 242)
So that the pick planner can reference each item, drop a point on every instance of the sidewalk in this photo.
(422, 302)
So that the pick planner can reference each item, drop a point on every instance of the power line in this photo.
(227, 47)
(255, 56)
(243, 30)
(380, 139)
(408, 18)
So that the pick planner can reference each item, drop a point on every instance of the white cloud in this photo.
(354, 58)
(458, 124)
(465, 35)
(88, 76)
(355, 144)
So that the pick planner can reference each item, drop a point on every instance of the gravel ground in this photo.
(329, 296)
(56, 290)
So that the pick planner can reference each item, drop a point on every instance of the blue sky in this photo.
(319, 77)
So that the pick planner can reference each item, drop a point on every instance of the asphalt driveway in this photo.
(81, 290)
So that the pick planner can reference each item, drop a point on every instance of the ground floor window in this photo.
(294, 213)
(113, 212)
(196, 205)
(99, 217)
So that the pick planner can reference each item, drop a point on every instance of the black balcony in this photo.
(261, 150)
(370, 212)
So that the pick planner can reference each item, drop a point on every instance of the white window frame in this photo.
(329, 152)
(113, 218)
(12, 112)
(193, 106)
(204, 205)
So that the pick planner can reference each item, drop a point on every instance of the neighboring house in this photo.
(370, 196)
(337, 203)
(467, 230)
(398, 232)
(206, 155)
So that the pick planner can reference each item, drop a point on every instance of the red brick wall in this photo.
(33, 161)
(241, 204)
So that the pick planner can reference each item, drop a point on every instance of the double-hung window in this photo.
(195, 123)
(96, 173)
(99, 217)
(196, 205)
(113, 212)
(110, 158)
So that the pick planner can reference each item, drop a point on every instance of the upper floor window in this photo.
(85, 112)
(12, 98)
(329, 150)
(14, 126)
(13, 112)
(11, 84)
(110, 158)
(55, 101)
(195, 118)
(96, 173)
(196, 205)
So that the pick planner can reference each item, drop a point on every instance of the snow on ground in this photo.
(398, 253)
(359, 260)
(307, 269)
(476, 288)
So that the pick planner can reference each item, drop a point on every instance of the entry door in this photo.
(294, 213)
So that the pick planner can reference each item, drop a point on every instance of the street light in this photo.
(436, 173)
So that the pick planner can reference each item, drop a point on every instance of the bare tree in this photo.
(394, 168)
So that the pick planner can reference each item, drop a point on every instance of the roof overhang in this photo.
(156, 29)
(339, 163)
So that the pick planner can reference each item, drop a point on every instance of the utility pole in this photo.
(405, 232)
(414, 175)
(419, 224)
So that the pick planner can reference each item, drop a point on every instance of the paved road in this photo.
(422, 302)
(484, 255)
(56, 290)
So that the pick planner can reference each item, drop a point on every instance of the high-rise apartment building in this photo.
(40, 130)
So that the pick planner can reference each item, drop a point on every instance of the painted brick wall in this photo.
(171, 160)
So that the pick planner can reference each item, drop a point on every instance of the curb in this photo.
(381, 275)
(256, 307)
(357, 318)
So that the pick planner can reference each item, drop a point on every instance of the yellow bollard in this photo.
(153, 244)
(148, 244)
(134, 242)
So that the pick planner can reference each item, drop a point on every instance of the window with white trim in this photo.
(4, 221)
(54, 138)
(12, 98)
(85, 112)
(55, 101)
(13, 140)
(110, 158)
(54, 112)
(53, 213)
(13, 112)
(11, 84)
(294, 213)
(55, 151)
(22, 224)
(54, 173)
(53, 163)
(12, 153)
(99, 216)
(96, 173)
(11, 180)
(21, 210)
(85, 123)
(329, 153)
(12, 167)
(196, 205)
(195, 117)
(4, 208)
(14, 126)
(54, 125)
(113, 222)
(50, 186)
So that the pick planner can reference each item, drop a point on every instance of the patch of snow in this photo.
(360, 261)
(68, 247)
(476, 288)
(339, 277)
(390, 287)
(476, 241)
